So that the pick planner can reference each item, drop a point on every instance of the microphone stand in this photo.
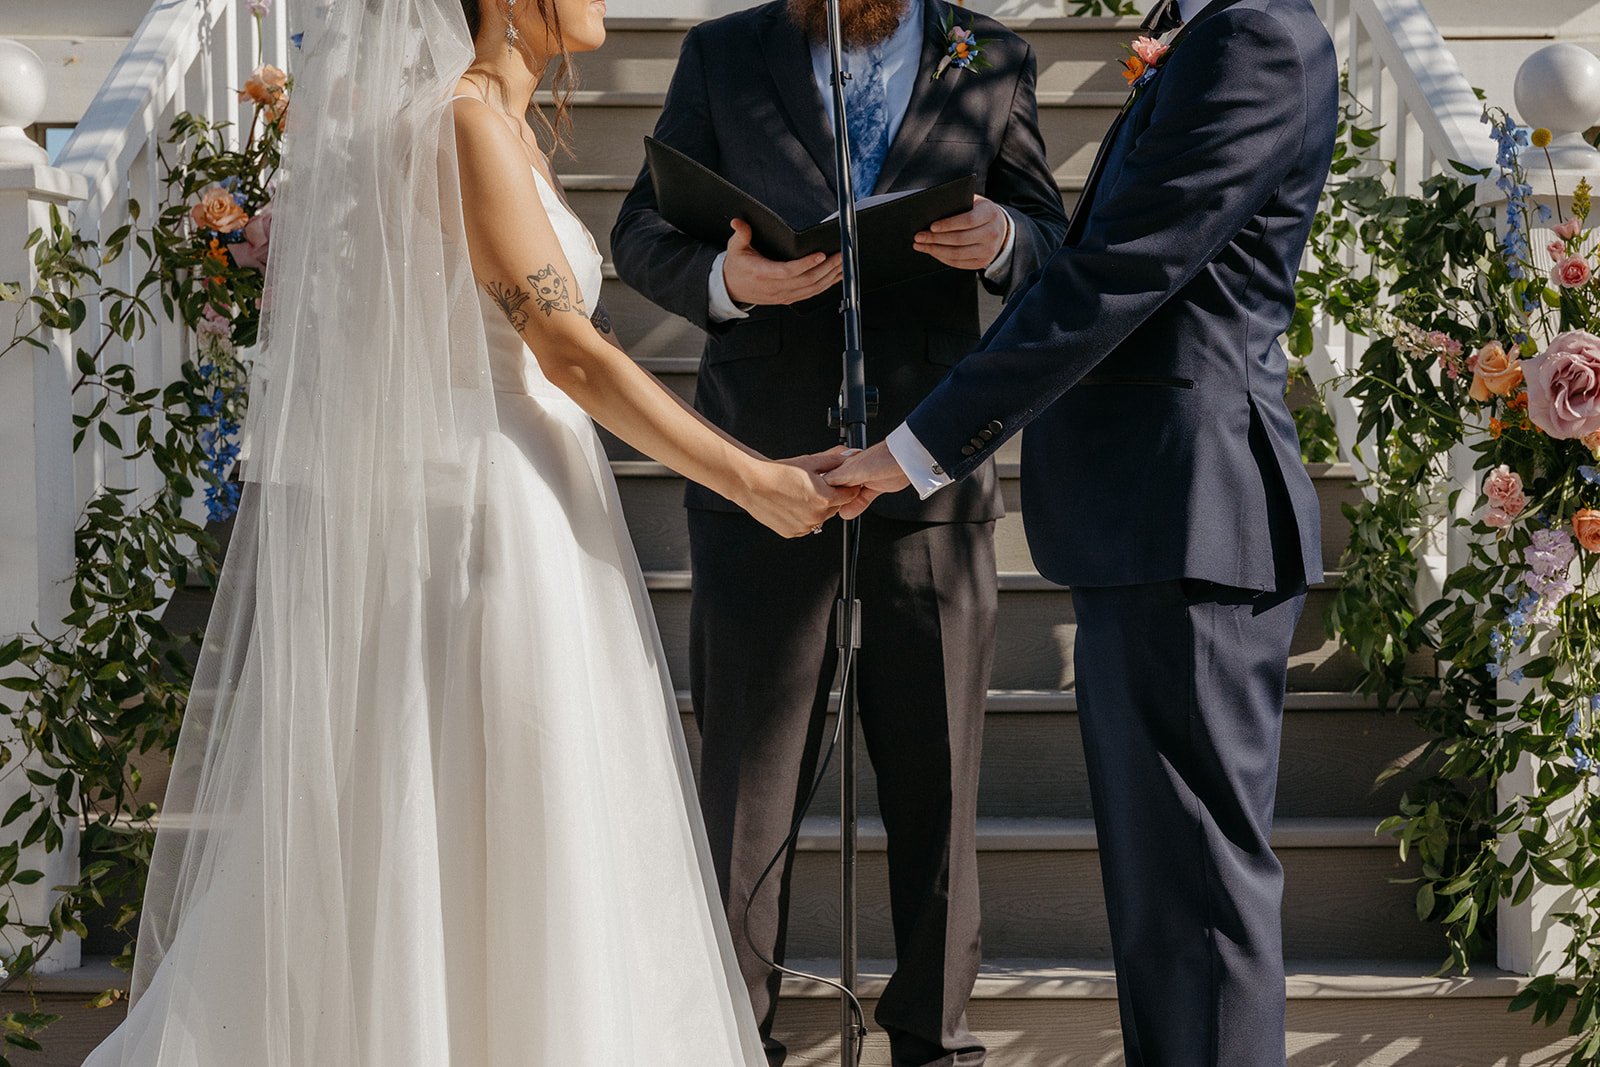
(856, 403)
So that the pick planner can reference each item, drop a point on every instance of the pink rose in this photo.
(1568, 229)
(1557, 249)
(252, 251)
(213, 323)
(1497, 519)
(1503, 487)
(1571, 272)
(1149, 50)
(1564, 386)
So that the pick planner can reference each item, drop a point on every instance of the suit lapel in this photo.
(789, 61)
(928, 99)
(1080, 214)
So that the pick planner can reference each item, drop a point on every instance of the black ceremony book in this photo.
(702, 204)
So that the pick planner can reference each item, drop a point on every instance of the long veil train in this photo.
(431, 803)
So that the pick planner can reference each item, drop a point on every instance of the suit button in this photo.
(967, 450)
(997, 426)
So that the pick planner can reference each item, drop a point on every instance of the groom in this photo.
(1162, 482)
(750, 100)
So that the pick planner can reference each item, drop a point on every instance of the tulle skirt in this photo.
(502, 862)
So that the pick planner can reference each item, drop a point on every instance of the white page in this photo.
(874, 201)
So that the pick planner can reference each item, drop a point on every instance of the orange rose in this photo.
(265, 84)
(1494, 373)
(1586, 528)
(1132, 68)
(216, 210)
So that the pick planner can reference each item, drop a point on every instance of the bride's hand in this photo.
(791, 499)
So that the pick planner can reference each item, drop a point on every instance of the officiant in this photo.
(935, 93)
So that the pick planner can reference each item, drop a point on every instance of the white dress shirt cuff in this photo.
(722, 307)
(997, 270)
(927, 477)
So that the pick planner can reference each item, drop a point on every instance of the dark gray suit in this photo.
(744, 102)
(1162, 481)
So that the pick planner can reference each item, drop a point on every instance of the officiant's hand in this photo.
(752, 278)
(792, 499)
(875, 471)
(969, 241)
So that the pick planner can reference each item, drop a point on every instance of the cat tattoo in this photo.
(550, 291)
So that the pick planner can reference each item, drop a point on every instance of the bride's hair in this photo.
(558, 129)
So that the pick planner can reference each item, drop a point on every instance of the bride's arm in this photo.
(518, 259)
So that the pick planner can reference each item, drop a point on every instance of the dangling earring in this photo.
(512, 36)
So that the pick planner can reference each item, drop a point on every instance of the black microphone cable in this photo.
(847, 676)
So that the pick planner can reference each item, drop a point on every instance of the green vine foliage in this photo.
(98, 699)
(1117, 8)
(1496, 674)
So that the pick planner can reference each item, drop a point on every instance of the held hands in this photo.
(791, 498)
(970, 241)
(752, 278)
(874, 471)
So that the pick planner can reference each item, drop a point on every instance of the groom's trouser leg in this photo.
(1180, 692)
(762, 661)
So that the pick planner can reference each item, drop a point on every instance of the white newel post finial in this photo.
(1558, 87)
(22, 96)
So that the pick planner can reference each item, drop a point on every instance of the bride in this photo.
(431, 804)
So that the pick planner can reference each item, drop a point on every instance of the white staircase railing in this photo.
(186, 55)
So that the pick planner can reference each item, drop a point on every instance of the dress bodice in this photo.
(514, 368)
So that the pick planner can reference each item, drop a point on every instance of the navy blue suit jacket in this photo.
(1143, 356)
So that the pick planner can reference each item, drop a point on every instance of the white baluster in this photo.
(36, 480)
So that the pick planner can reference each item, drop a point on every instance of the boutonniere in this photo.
(1144, 59)
(963, 49)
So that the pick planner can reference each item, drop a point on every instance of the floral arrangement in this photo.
(1144, 58)
(963, 49)
(1482, 341)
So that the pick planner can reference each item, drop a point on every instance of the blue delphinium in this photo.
(1512, 139)
(220, 446)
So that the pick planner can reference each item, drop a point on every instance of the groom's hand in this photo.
(969, 241)
(752, 278)
(875, 471)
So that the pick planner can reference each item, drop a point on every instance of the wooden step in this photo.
(1335, 747)
(1035, 633)
(1042, 894)
(652, 500)
(1072, 53)
(1341, 1013)
(609, 128)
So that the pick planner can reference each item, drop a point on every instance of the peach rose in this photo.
(1494, 373)
(265, 84)
(217, 210)
(1586, 528)
(1564, 386)
(1592, 443)
(1571, 272)
(1568, 228)
(1503, 488)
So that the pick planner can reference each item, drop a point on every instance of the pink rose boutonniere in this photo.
(1141, 64)
(963, 49)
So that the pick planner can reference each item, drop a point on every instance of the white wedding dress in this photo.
(519, 870)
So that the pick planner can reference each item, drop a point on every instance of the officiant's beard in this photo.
(863, 22)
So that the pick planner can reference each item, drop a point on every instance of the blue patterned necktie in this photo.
(867, 111)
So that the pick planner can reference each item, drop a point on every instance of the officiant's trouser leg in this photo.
(1180, 696)
(762, 661)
